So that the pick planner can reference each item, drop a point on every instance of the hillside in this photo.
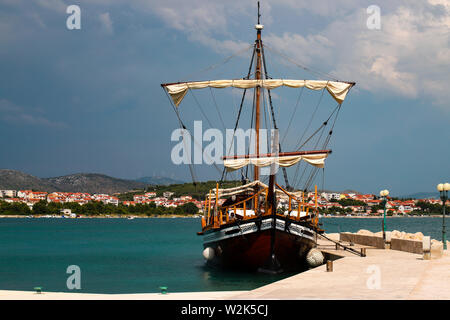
(160, 181)
(197, 191)
(16, 180)
(80, 182)
(94, 183)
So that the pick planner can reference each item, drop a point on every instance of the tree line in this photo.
(94, 208)
(197, 191)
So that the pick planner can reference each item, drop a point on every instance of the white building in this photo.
(168, 194)
(150, 194)
(331, 196)
(8, 193)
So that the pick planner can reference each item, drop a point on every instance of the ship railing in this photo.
(311, 210)
(222, 214)
(224, 211)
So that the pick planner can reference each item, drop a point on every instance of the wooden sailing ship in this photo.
(242, 227)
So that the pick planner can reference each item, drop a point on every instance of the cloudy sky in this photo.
(90, 100)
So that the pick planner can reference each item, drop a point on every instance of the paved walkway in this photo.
(382, 274)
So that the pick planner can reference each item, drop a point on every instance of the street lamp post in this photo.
(384, 194)
(443, 190)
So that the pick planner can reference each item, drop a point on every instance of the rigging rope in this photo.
(325, 144)
(312, 117)
(273, 115)
(323, 124)
(314, 170)
(240, 109)
(217, 108)
(293, 114)
(182, 126)
(251, 132)
(319, 73)
(226, 60)
(201, 109)
(321, 129)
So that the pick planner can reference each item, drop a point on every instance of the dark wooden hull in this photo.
(265, 244)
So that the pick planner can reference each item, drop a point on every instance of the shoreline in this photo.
(387, 217)
(199, 216)
(101, 217)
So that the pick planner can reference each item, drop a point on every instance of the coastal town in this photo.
(349, 204)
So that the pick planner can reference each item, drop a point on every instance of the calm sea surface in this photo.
(136, 256)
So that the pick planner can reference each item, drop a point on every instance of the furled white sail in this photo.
(338, 90)
(317, 160)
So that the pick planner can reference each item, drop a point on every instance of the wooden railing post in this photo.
(209, 207)
(315, 194)
(267, 203)
(303, 199)
(217, 201)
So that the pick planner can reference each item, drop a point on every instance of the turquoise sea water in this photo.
(136, 256)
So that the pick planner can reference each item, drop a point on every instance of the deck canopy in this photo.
(338, 90)
(315, 158)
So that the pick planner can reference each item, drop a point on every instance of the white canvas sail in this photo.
(338, 90)
(317, 160)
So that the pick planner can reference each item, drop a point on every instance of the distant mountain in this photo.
(422, 195)
(16, 180)
(161, 181)
(80, 182)
(94, 183)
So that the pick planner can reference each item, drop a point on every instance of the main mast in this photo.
(258, 28)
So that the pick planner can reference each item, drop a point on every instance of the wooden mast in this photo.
(257, 102)
(270, 197)
(272, 265)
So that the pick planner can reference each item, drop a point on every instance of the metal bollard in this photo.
(426, 245)
(329, 266)
(363, 252)
(163, 290)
